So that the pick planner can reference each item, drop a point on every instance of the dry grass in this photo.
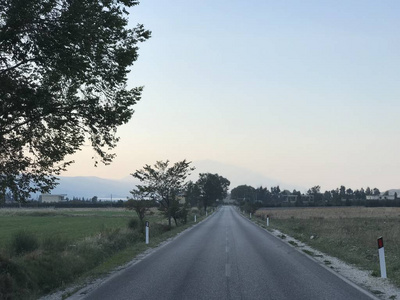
(349, 233)
(331, 212)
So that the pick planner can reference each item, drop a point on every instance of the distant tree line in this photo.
(166, 185)
(250, 198)
(65, 204)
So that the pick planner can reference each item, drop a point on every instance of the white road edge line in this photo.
(348, 281)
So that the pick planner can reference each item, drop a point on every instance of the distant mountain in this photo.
(392, 191)
(88, 187)
(238, 176)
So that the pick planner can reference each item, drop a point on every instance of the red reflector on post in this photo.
(380, 243)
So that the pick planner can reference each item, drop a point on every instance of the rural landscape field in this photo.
(43, 250)
(348, 233)
(46, 249)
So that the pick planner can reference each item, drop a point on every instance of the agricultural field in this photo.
(46, 249)
(69, 223)
(348, 233)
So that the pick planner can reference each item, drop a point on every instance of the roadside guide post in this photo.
(195, 218)
(382, 262)
(267, 220)
(250, 215)
(147, 232)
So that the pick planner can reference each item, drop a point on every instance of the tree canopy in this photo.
(63, 83)
(163, 184)
(212, 187)
(243, 192)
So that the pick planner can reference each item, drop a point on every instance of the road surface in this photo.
(226, 257)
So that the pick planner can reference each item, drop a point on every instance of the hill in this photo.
(90, 186)
(238, 175)
(393, 191)
(87, 187)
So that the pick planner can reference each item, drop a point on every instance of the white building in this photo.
(48, 198)
(380, 197)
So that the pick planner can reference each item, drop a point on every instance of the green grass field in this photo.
(71, 225)
(42, 250)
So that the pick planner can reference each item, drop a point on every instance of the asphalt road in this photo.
(227, 257)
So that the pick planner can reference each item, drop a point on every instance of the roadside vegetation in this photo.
(348, 233)
(45, 250)
(254, 198)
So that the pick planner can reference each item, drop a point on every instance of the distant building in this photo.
(381, 197)
(48, 198)
(229, 200)
(287, 197)
(181, 198)
(307, 199)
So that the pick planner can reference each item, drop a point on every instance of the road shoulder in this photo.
(381, 288)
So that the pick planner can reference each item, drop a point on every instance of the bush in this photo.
(54, 270)
(157, 229)
(133, 223)
(23, 242)
(54, 244)
(14, 281)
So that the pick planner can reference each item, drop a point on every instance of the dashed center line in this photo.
(227, 270)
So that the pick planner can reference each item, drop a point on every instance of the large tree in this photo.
(140, 204)
(212, 187)
(243, 192)
(63, 83)
(164, 184)
(192, 194)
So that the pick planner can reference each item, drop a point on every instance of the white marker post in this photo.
(147, 232)
(267, 220)
(206, 213)
(382, 262)
(250, 215)
(195, 218)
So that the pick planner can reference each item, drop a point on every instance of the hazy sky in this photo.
(305, 92)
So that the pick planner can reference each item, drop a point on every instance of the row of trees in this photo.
(66, 204)
(341, 195)
(167, 186)
(208, 190)
(261, 196)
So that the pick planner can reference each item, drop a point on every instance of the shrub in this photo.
(54, 244)
(157, 229)
(14, 281)
(23, 242)
(133, 223)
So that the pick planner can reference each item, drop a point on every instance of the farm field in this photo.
(348, 233)
(71, 224)
(45, 249)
